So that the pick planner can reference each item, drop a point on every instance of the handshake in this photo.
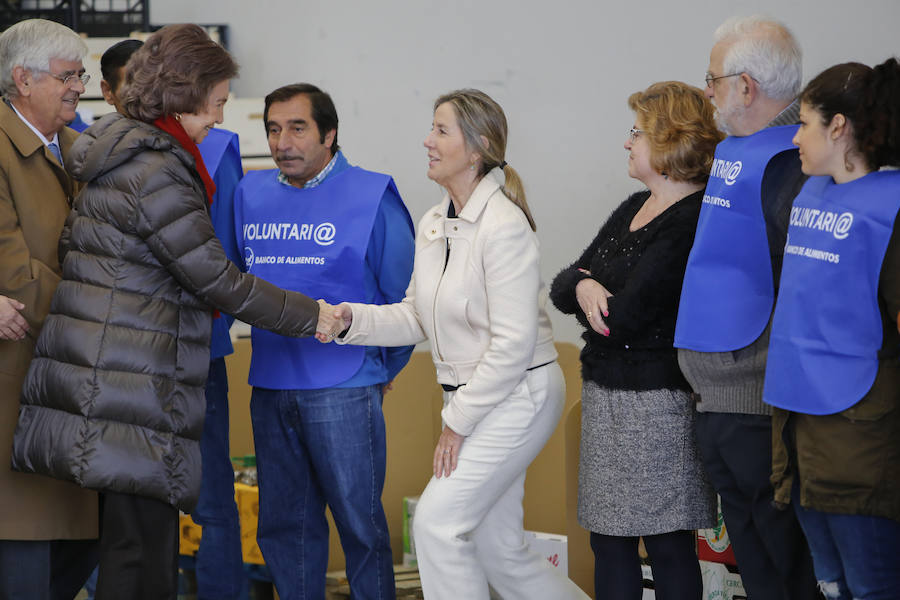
(333, 320)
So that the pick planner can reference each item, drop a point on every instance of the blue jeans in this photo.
(219, 563)
(855, 556)
(318, 447)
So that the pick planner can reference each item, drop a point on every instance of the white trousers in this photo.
(468, 526)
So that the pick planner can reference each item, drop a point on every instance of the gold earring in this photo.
(178, 117)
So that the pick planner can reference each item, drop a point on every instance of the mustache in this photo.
(281, 157)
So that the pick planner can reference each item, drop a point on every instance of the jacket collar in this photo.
(477, 202)
(18, 132)
(25, 141)
(115, 139)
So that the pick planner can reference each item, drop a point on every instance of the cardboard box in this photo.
(713, 544)
(409, 542)
(413, 421)
(244, 116)
(719, 583)
(551, 546)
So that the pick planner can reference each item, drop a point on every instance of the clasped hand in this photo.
(592, 298)
(13, 325)
(332, 320)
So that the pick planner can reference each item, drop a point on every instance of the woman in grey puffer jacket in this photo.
(114, 398)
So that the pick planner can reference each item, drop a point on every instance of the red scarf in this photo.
(170, 125)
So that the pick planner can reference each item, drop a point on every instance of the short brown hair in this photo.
(174, 72)
(679, 121)
(323, 111)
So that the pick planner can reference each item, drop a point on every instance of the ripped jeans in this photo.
(855, 556)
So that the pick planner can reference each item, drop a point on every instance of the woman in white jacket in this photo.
(476, 295)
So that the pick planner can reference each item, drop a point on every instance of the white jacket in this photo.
(484, 313)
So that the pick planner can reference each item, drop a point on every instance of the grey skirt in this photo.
(639, 471)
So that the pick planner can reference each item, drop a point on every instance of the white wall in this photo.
(562, 70)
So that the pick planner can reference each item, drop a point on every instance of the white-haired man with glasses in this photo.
(729, 293)
(47, 526)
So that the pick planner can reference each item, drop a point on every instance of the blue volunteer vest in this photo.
(827, 329)
(727, 295)
(222, 157)
(215, 145)
(312, 241)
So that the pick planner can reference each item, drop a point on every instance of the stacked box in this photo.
(409, 542)
(551, 546)
(719, 583)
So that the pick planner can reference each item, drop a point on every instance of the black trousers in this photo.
(138, 549)
(673, 559)
(771, 550)
(45, 570)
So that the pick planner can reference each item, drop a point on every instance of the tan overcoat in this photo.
(35, 196)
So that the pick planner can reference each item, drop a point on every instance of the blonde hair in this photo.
(480, 116)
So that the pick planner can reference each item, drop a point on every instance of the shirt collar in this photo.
(45, 141)
(315, 181)
(789, 116)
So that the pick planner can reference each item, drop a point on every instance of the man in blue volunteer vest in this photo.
(112, 69)
(340, 233)
(722, 331)
(219, 564)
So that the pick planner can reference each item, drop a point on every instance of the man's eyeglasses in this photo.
(633, 133)
(710, 80)
(71, 78)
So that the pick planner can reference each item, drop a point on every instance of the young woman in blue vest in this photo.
(475, 295)
(834, 354)
(640, 474)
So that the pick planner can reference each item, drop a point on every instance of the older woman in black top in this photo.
(639, 473)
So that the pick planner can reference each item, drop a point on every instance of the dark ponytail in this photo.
(867, 97)
(879, 120)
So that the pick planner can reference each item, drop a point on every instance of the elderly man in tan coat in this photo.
(47, 526)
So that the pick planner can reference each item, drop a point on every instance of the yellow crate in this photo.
(247, 497)
(188, 536)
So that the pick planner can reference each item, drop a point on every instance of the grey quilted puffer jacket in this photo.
(114, 398)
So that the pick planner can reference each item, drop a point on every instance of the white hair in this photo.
(764, 49)
(32, 44)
